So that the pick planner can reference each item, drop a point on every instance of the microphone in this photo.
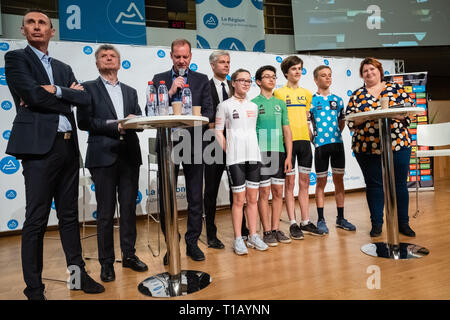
(181, 72)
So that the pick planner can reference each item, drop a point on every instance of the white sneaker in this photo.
(239, 246)
(256, 242)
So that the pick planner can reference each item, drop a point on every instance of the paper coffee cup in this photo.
(384, 103)
(196, 110)
(176, 106)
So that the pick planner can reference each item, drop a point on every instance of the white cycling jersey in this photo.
(239, 121)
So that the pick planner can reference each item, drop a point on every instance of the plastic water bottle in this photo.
(152, 103)
(186, 98)
(163, 99)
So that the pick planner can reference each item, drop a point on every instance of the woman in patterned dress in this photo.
(366, 143)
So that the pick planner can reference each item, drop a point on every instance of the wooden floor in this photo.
(330, 267)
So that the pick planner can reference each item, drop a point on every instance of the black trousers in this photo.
(193, 174)
(54, 175)
(118, 181)
(213, 176)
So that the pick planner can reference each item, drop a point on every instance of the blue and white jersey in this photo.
(325, 115)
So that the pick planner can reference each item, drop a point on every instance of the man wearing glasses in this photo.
(272, 128)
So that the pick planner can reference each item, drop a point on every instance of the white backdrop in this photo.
(140, 64)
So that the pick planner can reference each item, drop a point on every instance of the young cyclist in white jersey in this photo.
(238, 116)
(327, 118)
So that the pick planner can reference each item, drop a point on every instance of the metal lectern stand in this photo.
(176, 282)
(393, 248)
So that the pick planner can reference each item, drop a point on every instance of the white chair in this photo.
(86, 182)
(153, 167)
(432, 135)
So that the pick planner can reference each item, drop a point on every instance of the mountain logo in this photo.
(9, 165)
(210, 21)
(129, 17)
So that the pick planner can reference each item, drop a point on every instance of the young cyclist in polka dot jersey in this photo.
(327, 119)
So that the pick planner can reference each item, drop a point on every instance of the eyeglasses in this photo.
(269, 77)
(244, 81)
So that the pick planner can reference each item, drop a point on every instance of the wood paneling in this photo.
(330, 267)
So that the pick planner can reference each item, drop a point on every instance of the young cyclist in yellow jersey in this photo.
(298, 102)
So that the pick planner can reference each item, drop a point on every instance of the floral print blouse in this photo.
(366, 136)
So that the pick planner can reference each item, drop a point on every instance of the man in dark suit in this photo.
(193, 170)
(44, 136)
(220, 91)
(113, 158)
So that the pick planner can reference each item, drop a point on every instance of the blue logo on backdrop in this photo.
(126, 64)
(326, 62)
(3, 77)
(259, 4)
(386, 73)
(304, 71)
(279, 59)
(199, 1)
(93, 187)
(88, 50)
(231, 44)
(210, 21)
(53, 205)
(161, 53)
(349, 73)
(103, 21)
(6, 105)
(9, 165)
(349, 92)
(6, 134)
(230, 3)
(202, 43)
(228, 77)
(4, 46)
(139, 198)
(312, 178)
(94, 214)
(13, 224)
(260, 46)
(11, 194)
(193, 67)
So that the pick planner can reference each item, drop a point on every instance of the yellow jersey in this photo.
(298, 102)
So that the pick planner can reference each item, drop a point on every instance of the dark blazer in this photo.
(215, 96)
(104, 139)
(198, 83)
(35, 126)
(201, 96)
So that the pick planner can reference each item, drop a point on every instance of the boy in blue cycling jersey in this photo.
(327, 119)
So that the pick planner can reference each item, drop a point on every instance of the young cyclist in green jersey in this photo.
(272, 128)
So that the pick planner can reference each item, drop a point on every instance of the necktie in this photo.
(224, 92)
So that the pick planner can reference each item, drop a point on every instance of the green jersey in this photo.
(272, 116)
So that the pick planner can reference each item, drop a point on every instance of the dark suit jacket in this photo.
(215, 96)
(35, 126)
(201, 96)
(104, 139)
(198, 83)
